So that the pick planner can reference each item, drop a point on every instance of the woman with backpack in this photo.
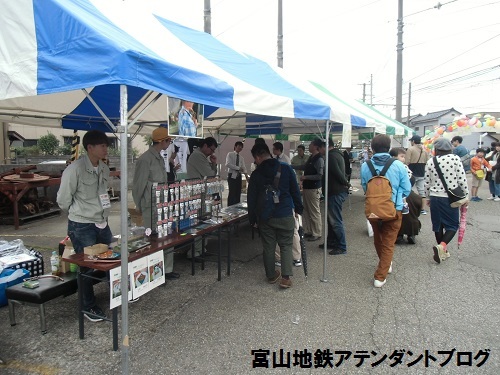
(445, 219)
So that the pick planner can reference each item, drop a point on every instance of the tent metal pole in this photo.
(325, 193)
(124, 226)
(108, 121)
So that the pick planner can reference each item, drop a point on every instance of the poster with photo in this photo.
(156, 266)
(185, 118)
(140, 277)
(115, 288)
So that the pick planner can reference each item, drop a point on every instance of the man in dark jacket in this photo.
(338, 188)
(279, 227)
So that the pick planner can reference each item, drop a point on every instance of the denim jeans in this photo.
(83, 235)
(497, 190)
(335, 221)
(491, 185)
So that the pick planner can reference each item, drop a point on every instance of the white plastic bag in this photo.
(370, 229)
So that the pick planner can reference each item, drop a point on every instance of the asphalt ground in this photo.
(425, 313)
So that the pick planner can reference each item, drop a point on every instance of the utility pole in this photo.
(409, 104)
(207, 17)
(280, 33)
(364, 92)
(399, 73)
(371, 89)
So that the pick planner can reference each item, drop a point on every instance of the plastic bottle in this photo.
(72, 266)
(54, 263)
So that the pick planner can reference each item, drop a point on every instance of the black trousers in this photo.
(234, 195)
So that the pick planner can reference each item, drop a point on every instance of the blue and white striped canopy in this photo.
(52, 49)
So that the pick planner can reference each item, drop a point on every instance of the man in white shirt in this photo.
(235, 165)
(278, 153)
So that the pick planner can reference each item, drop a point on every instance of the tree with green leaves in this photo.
(48, 144)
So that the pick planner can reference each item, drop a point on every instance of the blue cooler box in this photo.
(5, 282)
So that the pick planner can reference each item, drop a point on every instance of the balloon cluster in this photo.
(460, 122)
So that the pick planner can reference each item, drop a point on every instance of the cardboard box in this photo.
(135, 217)
(68, 248)
(95, 249)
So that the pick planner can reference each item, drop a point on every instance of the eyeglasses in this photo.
(213, 148)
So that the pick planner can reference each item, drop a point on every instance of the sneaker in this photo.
(479, 199)
(378, 283)
(277, 263)
(399, 239)
(390, 268)
(491, 197)
(297, 263)
(285, 283)
(439, 253)
(277, 275)
(95, 314)
(497, 199)
(447, 254)
(134, 300)
(423, 212)
(337, 252)
(411, 240)
(406, 209)
(474, 199)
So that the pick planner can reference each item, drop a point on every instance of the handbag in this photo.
(480, 174)
(456, 196)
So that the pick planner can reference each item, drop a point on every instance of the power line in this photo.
(458, 71)
(458, 79)
(451, 35)
(455, 57)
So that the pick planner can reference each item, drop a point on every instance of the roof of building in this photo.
(412, 118)
(435, 115)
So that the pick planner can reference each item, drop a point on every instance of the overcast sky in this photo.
(451, 55)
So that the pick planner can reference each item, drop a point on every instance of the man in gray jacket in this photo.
(83, 193)
(202, 163)
(150, 168)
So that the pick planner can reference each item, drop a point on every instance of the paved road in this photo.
(196, 325)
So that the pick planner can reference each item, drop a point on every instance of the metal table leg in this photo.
(114, 314)
(80, 306)
(229, 252)
(219, 256)
(192, 258)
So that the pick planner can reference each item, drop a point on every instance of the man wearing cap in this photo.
(150, 168)
(311, 191)
(416, 158)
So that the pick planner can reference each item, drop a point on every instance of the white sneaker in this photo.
(497, 199)
(491, 197)
(439, 253)
(378, 283)
(390, 268)
(277, 263)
